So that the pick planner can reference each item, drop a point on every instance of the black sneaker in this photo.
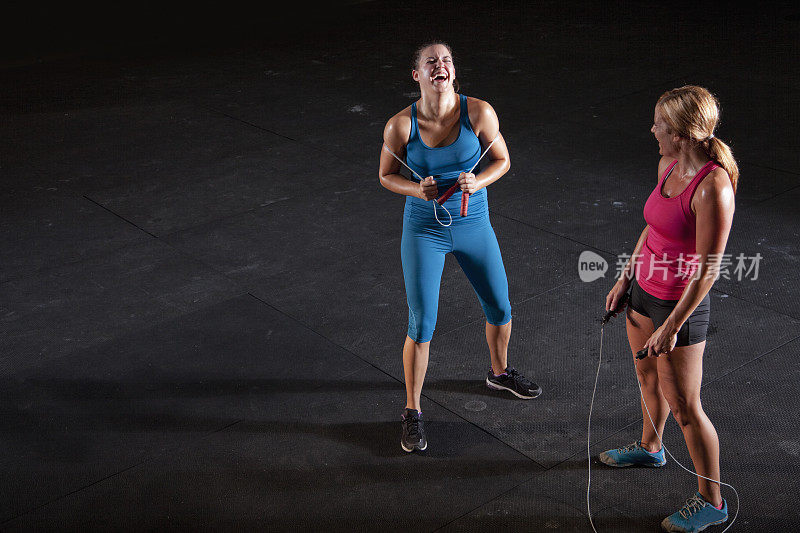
(513, 381)
(413, 434)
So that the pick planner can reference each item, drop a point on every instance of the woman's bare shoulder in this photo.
(398, 128)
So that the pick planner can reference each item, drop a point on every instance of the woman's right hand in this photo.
(615, 295)
(428, 189)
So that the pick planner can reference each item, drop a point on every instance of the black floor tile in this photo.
(299, 236)
(335, 455)
(74, 306)
(771, 281)
(76, 420)
(42, 229)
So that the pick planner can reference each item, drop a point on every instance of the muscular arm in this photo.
(486, 126)
(713, 203)
(395, 136)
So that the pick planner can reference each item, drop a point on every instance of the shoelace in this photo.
(692, 505)
(519, 378)
(413, 425)
(629, 447)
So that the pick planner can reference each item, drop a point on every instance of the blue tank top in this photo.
(445, 163)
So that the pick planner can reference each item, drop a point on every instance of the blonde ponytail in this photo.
(721, 153)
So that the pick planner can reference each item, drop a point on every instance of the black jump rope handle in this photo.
(620, 306)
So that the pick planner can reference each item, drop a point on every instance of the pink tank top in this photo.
(668, 257)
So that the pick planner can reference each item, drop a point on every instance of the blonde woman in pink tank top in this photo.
(673, 266)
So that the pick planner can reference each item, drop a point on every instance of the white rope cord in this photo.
(420, 179)
(589, 432)
(588, 442)
(435, 203)
(484, 153)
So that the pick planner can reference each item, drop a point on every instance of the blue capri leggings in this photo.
(473, 243)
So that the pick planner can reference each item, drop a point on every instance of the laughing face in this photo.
(666, 139)
(435, 69)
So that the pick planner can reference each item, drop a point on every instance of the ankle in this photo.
(498, 371)
(652, 448)
(715, 501)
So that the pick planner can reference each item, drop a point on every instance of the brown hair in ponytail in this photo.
(693, 113)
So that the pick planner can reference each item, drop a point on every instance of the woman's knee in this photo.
(648, 377)
(498, 312)
(421, 325)
(686, 411)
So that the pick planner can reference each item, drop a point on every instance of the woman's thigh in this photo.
(478, 253)
(681, 375)
(640, 328)
(422, 255)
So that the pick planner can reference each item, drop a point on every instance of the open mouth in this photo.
(440, 77)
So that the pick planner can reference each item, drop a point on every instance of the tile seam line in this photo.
(313, 191)
(729, 372)
(382, 371)
(636, 402)
(715, 289)
(267, 130)
(245, 290)
(115, 474)
(279, 201)
(717, 378)
(302, 196)
(101, 206)
(67, 495)
(507, 217)
(781, 170)
(520, 302)
(776, 195)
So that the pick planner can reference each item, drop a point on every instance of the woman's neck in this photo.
(691, 160)
(437, 105)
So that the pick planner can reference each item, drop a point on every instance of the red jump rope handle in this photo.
(464, 203)
(446, 196)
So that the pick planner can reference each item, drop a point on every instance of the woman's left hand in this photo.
(468, 182)
(661, 342)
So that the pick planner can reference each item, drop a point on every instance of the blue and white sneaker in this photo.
(695, 515)
(633, 454)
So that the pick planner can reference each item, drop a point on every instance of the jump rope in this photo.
(641, 354)
(443, 198)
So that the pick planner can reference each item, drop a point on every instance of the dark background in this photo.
(201, 300)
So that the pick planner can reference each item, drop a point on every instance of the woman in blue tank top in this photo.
(440, 135)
